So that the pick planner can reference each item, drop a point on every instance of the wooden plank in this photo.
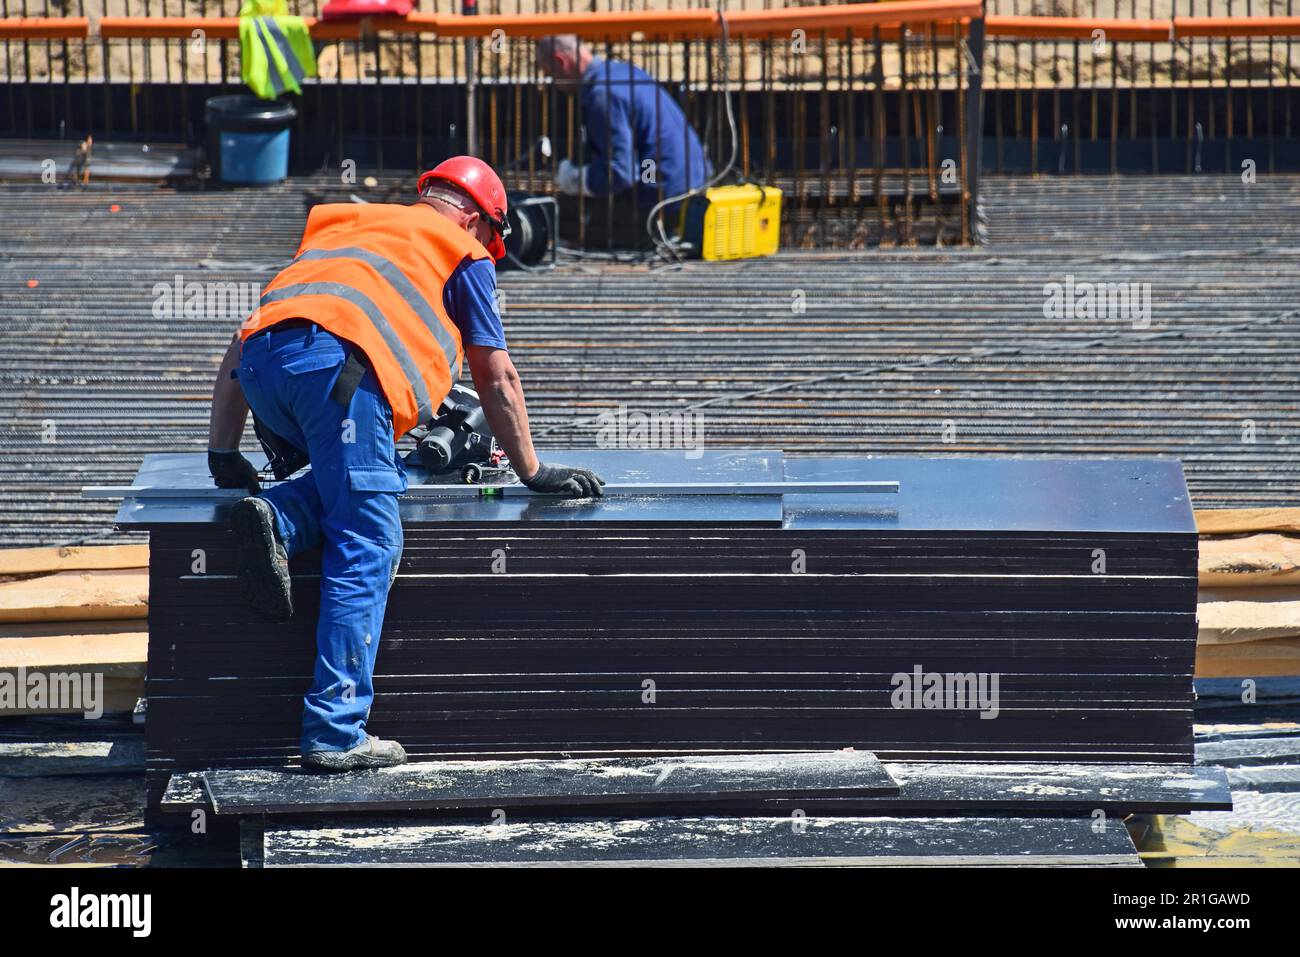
(62, 558)
(1230, 520)
(122, 653)
(1230, 731)
(443, 785)
(1252, 560)
(110, 659)
(1228, 615)
(76, 595)
(706, 842)
(1274, 657)
(116, 696)
(109, 628)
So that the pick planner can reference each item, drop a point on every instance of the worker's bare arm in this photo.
(502, 395)
(229, 408)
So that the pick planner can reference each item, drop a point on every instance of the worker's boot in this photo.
(370, 753)
(263, 561)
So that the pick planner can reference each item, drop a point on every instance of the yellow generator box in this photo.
(736, 222)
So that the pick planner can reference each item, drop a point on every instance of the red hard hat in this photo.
(483, 185)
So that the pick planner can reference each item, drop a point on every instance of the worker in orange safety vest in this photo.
(355, 343)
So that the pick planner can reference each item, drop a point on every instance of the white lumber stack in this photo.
(75, 610)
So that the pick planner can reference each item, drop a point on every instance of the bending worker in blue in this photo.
(638, 143)
(354, 343)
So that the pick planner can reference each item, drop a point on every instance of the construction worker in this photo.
(638, 141)
(356, 342)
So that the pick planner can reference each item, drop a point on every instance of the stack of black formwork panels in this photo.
(1053, 601)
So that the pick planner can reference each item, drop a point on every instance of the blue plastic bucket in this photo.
(249, 138)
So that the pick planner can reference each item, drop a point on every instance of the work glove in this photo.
(566, 481)
(229, 469)
(572, 180)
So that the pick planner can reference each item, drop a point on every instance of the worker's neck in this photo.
(430, 203)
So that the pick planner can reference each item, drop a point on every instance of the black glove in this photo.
(231, 470)
(566, 481)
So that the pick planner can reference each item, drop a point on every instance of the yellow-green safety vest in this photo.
(275, 49)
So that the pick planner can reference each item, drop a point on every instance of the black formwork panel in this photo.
(609, 629)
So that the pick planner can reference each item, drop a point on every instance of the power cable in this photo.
(654, 220)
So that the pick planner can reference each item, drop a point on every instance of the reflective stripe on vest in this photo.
(403, 287)
(272, 68)
(271, 28)
(423, 402)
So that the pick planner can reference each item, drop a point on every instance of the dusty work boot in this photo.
(263, 561)
(370, 753)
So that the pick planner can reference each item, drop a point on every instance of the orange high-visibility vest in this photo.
(373, 274)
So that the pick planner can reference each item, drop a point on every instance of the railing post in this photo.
(975, 123)
(470, 8)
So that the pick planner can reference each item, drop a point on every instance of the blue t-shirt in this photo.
(470, 299)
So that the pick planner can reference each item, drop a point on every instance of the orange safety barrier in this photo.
(1185, 27)
(621, 25)
(850, 15)
(705, 22)
(164, 28)
(351, 29)
(44, 28)
(588, 25)
(1076, 28)
(227, 28)
(1179, 28)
